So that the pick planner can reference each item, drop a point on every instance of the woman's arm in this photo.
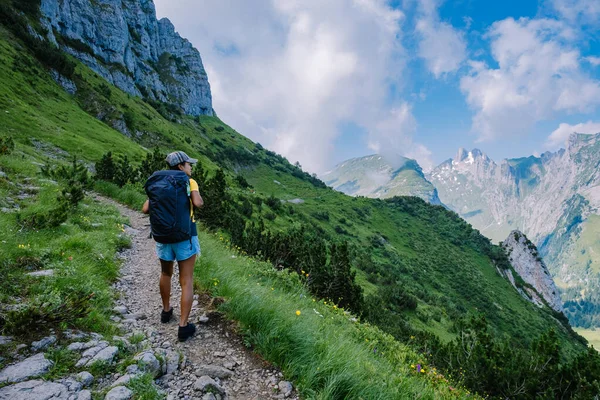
(197, 200)
(146, 207)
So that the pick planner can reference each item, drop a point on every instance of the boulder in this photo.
(206, 383)
(148, 362)
(85, 378)
(35, 390)
(214, 371)
(44, 343)
(119, 393)
(29, 368)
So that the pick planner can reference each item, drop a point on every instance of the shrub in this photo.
(106, 168)
(105, 91)
(7, 145)
(154, 161)
(321, 215)
(129, 118)
(124, 172)
(242, 182)
(273, 202)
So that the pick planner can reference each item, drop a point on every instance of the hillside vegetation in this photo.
(417, 272)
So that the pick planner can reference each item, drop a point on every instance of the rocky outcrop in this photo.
(526, 261)
(123, 42)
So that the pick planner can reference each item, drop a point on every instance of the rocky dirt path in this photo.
(216, 350)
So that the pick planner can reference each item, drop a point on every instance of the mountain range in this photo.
(416, 282)
(553, 199)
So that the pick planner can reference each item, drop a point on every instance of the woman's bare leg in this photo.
(186, 280)
(165, 283)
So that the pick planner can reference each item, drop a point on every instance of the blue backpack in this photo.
(170, 220)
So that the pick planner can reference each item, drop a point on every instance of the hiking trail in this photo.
(216, 350)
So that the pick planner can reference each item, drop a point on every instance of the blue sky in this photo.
(320, 82)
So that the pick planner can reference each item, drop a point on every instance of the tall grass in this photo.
(323, 349)
(129, 194)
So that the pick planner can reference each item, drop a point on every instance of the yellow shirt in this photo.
(193, 186)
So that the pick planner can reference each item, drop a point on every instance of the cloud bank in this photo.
(288, 73)
(538, 75)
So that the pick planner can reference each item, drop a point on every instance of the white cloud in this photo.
(560, 135)
(441, 45)
(578, 11)
(288, 73)
(595, 61)
(538, 76)
(392, 137)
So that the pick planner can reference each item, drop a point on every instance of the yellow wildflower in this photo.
(298, 312)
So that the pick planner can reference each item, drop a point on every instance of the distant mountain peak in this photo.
(381, 176)
(469, 157)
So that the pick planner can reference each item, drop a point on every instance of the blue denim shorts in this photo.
(178, 251)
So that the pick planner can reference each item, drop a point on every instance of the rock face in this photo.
(374, 176)
(554, 199)
(525, 259)
(123, 42)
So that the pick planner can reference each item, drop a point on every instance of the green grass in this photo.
(326, 353)
(63, 362)
(143, 388)
(81, 252)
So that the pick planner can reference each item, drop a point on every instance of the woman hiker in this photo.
(172, 196)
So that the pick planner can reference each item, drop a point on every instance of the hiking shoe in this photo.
(186, 332)
(165, 316)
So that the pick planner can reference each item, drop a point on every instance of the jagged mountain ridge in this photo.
(552, 199)
(375, 176)
(123, 41)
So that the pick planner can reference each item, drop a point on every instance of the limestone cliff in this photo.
(524, 258)
(123, 41)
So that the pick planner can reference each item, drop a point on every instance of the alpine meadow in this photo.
(349, 297)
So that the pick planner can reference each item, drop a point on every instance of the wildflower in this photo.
(298, 312)
(70, 258)
(419, 368)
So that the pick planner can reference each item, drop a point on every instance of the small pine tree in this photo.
(216, 204)
(124, 172)
(106, 168)
(153, 162)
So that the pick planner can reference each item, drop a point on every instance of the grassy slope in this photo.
(337, 357)
(437, 271)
